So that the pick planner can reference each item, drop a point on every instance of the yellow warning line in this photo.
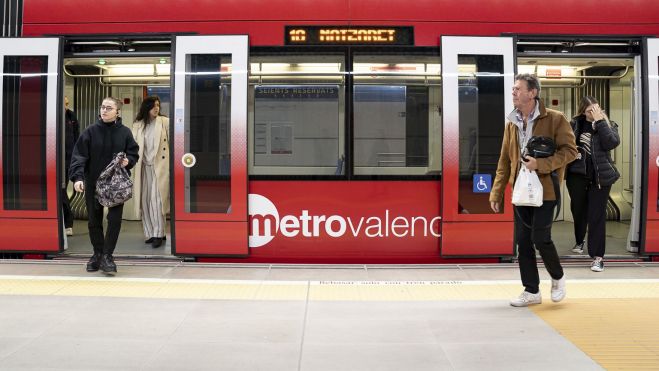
(314, 290)
(619, 334)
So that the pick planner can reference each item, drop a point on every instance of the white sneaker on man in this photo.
(69, 231)
(526, 298)
(558, 289)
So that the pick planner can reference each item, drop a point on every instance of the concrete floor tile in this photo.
(376, 357)
(202, 356)
(80, 354)
(472, 329)
(317, 274)
(250, 309)
(537, 356)
(212, 328)
(349, 331)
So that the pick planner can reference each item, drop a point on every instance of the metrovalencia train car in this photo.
(351, 131)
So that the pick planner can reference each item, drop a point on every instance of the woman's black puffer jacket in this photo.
(604, 140)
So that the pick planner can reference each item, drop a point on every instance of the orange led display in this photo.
(337, 35)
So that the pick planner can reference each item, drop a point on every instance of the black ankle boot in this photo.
(94, 262)
(157, 242)
(107, 264)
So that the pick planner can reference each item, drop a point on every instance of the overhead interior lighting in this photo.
(163, 61)
(101, 61)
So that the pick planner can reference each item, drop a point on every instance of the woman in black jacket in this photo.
(95, 149)
(590, 177)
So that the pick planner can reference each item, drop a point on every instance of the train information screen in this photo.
(349, 35)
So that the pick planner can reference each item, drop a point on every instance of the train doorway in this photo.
(130, 70)
(205, 194)
(609, 71)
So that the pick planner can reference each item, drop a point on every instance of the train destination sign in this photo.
(349, 35)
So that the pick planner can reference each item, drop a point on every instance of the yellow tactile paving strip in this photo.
(619, 334)
(313, 290)
(613, 321)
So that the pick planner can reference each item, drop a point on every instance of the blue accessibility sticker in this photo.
(482, 183)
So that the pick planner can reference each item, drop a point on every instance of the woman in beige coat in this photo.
(151, 174)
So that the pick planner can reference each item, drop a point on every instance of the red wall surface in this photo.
(264, 21)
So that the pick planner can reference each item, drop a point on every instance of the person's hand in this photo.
(530, 162)
(598, 113)
(79, 186)
(496, 206)
(124, 162)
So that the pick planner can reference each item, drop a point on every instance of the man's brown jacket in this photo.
(550, 123)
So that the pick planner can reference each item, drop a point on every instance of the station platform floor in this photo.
(191, 316)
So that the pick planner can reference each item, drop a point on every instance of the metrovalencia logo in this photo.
(265, 223)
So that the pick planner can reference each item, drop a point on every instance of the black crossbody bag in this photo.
(541, 147)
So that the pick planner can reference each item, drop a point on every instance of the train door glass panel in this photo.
(210, 156)
(651, 244)
(396, 108)
(208, 129)
(24, 130)
(28, 120)
(297, 126)
(477, 79)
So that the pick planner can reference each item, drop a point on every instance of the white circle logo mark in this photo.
(263, 220)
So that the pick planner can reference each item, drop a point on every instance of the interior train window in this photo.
(297, 121)
(396, 100)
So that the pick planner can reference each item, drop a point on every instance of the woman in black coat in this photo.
(590, 177)
(95, 149)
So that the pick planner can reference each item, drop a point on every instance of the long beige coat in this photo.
(133, 208)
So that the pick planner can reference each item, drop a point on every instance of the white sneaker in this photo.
(597, 265)
(526, 298)
(578, 248)
(69, 231)
(558, 289)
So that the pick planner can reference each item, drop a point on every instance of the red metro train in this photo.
(351, 131)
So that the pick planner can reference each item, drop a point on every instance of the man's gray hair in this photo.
(531, 80)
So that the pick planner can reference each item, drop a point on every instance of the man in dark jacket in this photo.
(96, 148)
(71, 135)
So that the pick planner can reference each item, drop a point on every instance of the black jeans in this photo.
(588, 205)
(104, 245)
(539, 219)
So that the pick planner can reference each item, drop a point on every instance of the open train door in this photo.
(28, 151)
(477, 80)
(210, 146)
(650, 242)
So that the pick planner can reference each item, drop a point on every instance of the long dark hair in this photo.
(147, 105)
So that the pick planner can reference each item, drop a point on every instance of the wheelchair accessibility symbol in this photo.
(482, 183)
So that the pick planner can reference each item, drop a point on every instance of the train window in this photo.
(208, 183)
(396, 101)
(481, 115)
(24, 132)
(297, 123)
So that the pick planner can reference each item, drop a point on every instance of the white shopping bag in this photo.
(528, 189)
